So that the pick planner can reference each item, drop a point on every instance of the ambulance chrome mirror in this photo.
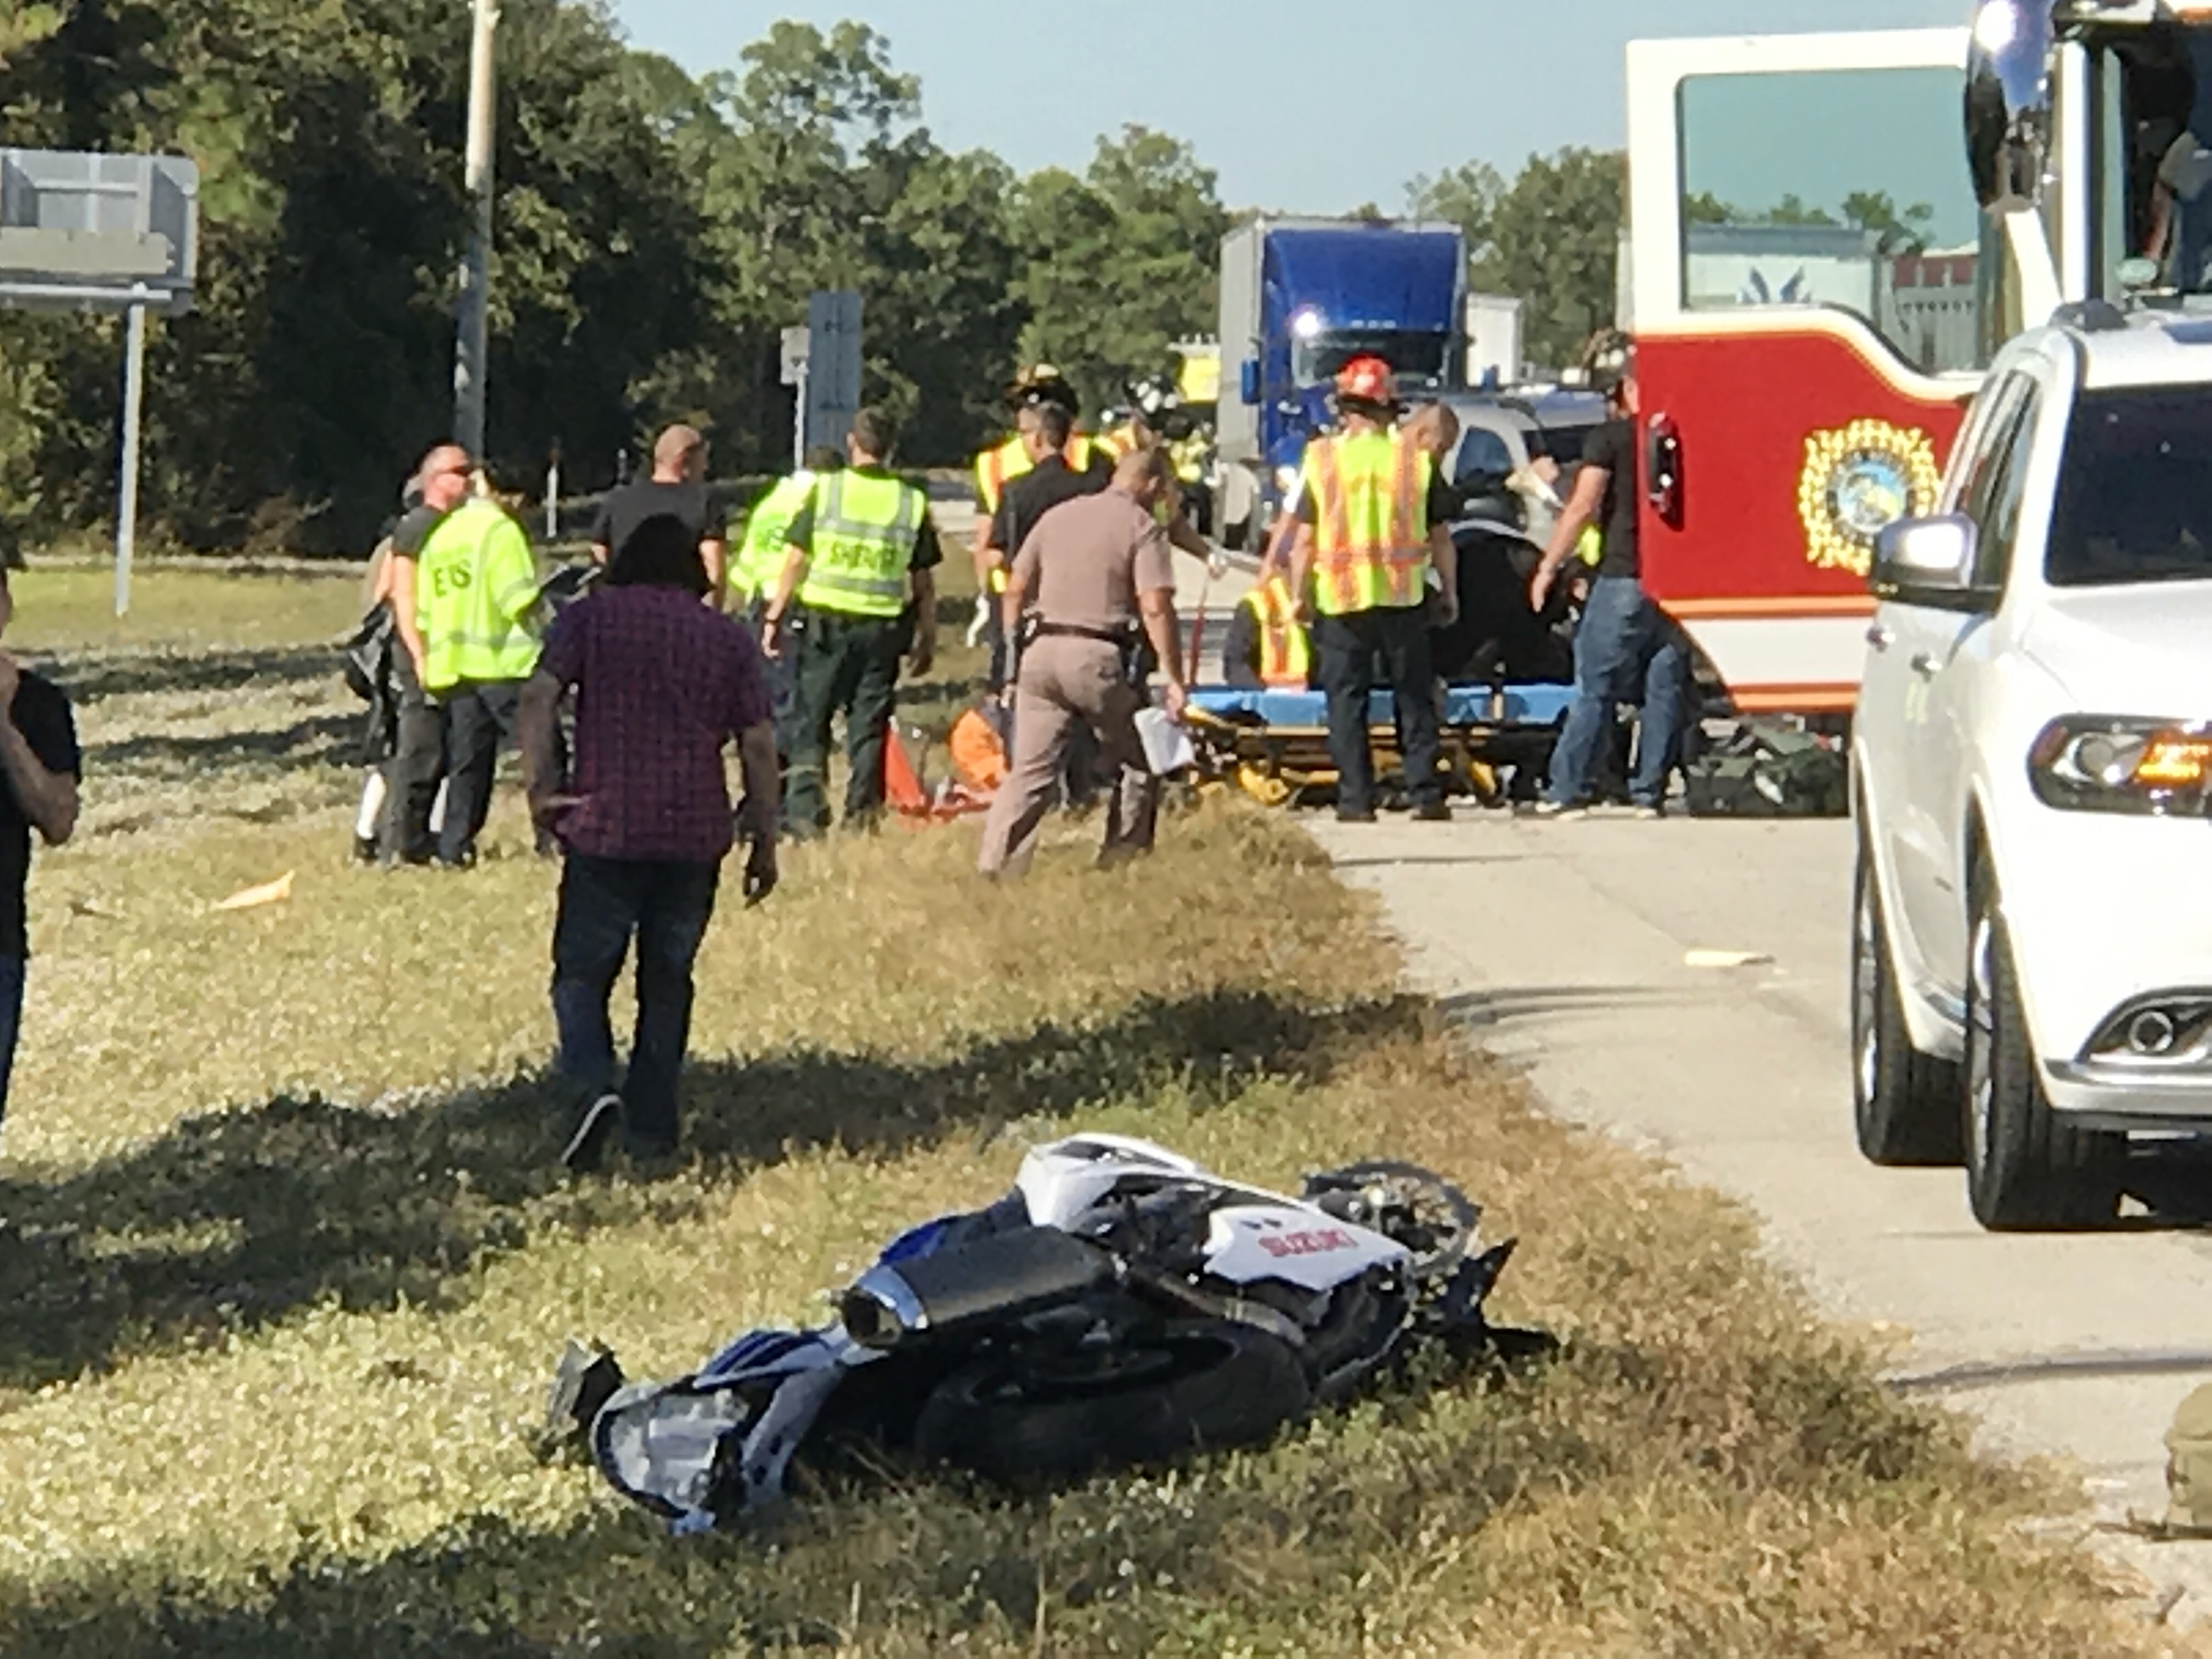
(2008, 101)
(1931, 562)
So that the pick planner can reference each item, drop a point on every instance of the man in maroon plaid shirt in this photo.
(663, 683)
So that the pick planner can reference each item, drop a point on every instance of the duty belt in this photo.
(1121, 638)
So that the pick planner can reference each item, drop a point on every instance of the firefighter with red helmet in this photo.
(1373, 539)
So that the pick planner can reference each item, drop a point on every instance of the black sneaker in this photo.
(1432, 811)
(1355, 815)
(587, 1147)
(364, 849)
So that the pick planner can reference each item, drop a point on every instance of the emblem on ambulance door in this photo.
(1858, 481)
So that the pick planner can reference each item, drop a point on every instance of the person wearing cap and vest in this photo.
(1373, 519)
(857, 593)
(463, 591)
(1007, 460)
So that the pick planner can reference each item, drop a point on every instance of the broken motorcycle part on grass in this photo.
(1121, 1308)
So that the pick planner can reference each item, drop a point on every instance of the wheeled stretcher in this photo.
(1273, 746)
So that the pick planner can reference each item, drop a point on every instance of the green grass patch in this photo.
(287, 1257)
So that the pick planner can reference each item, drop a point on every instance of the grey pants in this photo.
(1065, 684)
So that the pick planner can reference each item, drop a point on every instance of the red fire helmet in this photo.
(1368, 380)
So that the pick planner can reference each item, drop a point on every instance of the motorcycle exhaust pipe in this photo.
(997, 1278)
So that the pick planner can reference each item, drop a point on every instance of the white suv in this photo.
(2032, 761)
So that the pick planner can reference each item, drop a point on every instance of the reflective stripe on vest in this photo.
(1285, 653)
(1370, 491)
(767, 536)
(475, 587)
(864, 535)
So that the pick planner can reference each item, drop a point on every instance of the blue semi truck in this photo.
(1301, 297)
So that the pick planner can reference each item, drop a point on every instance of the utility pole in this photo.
(472, 348)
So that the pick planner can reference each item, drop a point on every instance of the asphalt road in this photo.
(1562, 947)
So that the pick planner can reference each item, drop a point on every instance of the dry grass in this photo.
(286, 1260)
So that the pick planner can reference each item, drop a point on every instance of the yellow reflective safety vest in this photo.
(864, 526)
(997, 467)
(767, 536)
(1286, 652)
(1371, 497)
(1189, 456)
(475, 589)
(1121, 440)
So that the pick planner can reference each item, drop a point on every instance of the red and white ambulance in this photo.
(1830, 235)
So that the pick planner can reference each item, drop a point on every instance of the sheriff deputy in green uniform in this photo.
(759, 563)
(768, 533)
(857, 593)
(465, 595)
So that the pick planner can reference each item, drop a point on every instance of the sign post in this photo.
(798, 344)
(831, 394)
(126, 503)
(85, 232)
(473, 344)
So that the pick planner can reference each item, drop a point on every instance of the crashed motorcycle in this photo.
(1121, 1307)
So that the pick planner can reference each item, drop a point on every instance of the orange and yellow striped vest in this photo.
(1370, 496)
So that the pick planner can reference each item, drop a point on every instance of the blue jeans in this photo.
(1625, 651)
(11, 1021)
(604, 902)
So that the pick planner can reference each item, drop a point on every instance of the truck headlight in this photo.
(2101, 763)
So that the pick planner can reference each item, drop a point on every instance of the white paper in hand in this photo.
(1167, 745)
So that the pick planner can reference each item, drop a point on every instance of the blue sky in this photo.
(1252, 85)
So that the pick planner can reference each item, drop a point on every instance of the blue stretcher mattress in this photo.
(1465, 705)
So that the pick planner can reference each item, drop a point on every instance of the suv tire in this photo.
(2027, 1168)
(1905, 1104)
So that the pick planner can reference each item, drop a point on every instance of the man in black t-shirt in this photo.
(1627, 649)
(1049, 480)
(40, 763)
(678, 489)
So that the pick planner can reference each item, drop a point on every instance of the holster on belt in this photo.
(1128, 640)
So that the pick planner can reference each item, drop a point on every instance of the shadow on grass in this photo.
(234, 1220)
(324, 740)
(91, 677)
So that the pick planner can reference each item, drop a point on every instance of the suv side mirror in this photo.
(1932, 561)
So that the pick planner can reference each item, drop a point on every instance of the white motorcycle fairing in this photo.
(1295, 1243)
(1065, 1181)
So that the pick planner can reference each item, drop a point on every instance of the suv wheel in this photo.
(1906, 1103)
(2027, 1167)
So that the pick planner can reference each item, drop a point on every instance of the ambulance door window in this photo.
(1843, 189)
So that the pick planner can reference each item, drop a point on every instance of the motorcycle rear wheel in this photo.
(1195, 1385)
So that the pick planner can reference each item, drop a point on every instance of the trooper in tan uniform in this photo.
(1098, 574)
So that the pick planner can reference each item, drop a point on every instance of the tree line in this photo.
(656, 232)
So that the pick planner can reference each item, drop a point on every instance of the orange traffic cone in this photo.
(902, 789)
